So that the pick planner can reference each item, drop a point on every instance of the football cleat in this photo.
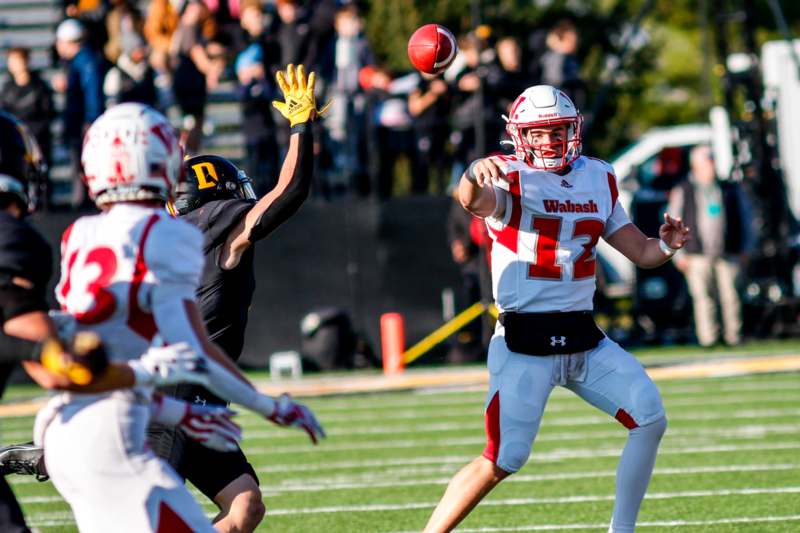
(23, 459)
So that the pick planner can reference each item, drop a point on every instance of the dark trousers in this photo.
(262, 163)
(11, 519)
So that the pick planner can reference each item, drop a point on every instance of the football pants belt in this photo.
(551, 333)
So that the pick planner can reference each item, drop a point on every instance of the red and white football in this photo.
(432, 48)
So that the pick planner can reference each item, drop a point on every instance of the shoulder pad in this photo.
(217, 218)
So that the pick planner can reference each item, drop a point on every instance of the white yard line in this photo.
(662, 523)
(508, 502)
(362, 483)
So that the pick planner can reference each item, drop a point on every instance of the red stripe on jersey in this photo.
(612, 186)
(509, 235)
(625, 419)
(65, 237)
(492, 449)
(140, 321)
(170, 522)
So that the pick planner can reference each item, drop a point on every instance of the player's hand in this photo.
(483, 171)
(211, 425)
(300, 104)
(290, 414)
(674, 232)
(167, 365)
(86, 361)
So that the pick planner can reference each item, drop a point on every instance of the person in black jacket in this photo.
(29, 98)
(131, 79)
(219, 199)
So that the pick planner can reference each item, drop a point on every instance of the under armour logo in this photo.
(566, 184)
(562, 340)
(202, 401)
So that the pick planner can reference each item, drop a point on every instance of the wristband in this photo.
(299, 128)
(470, 173)
(666, 249)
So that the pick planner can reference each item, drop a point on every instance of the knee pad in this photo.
(513, 456)
(647, 402)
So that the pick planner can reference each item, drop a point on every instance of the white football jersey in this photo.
(111, 266)
(543, 249)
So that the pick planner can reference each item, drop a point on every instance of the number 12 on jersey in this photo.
(548, 231)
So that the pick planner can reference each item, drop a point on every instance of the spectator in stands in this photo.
(389, 134)
(92, 15)
(293, 32)
(508, 79)
(559, 64)
(83, 101)
(256, 92)
(161, 22)
(470, 103)
(132, 78)
(346, 55)
(29, 98)
(429, 105)
(123, 20)
(719, 215)
(195, 71)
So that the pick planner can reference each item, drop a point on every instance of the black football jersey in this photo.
(224, 296)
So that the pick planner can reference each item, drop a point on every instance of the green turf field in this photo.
(730, 461)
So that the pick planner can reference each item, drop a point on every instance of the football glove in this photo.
(210, 425)
(300, 104)
(290, 414)
(85, 362)
(167, 365)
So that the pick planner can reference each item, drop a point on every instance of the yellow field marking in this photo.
(465, 377)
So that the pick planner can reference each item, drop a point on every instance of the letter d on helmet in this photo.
(131, 153)
(543, 106)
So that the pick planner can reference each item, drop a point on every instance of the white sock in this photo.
(633, 474)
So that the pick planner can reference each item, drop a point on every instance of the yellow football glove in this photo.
(86, 363)
(299, 104)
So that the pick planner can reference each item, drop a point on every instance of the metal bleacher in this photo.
(32, 24)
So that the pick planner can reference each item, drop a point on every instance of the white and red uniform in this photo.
(543, 261)
(125, 274)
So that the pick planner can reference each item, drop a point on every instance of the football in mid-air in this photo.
(432, 48)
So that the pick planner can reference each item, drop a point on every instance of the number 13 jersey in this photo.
(543, 249)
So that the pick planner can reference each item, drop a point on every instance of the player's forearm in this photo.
(294, 185)
(480, 201)
(651, 255)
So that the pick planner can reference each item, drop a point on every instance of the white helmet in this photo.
(544, 106)
(131, 153)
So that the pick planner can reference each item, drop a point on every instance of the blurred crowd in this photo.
(174, 54)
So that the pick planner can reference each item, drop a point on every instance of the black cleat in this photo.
(23, 459)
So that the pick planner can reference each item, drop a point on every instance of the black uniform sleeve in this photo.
(14, 349)
(16, 301)
(296, 192)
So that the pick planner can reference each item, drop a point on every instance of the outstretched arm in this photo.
(650, 252)
(279, 204)
(294, 182)
(475, 190)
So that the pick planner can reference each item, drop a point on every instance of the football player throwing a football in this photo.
(218, 198)
(545, 207)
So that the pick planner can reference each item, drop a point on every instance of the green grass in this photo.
(730, 462)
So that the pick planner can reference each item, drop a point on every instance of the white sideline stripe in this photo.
(535, 457)
(383, 481)
(531, 501)
(662, 523)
